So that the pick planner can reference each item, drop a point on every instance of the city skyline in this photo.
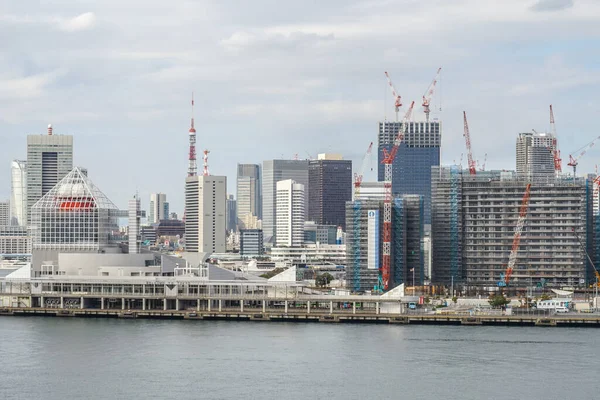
(492, 75)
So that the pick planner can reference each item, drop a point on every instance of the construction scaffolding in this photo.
(356, 248)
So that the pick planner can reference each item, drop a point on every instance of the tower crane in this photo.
(358, 177)
(596, 272)
(429, 94)
(554, 150)
(472, 168)
(512, 258)
(397, 98)
(574, 161)
(388, 159)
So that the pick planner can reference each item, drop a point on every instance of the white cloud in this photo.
(81, 22)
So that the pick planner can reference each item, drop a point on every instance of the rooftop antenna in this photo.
(49, 129)
(192, 166)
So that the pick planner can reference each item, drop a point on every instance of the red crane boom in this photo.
(472, 168)
(429, 94)
(555, 151)
(512, 259)
(388, 159)
(397, 98)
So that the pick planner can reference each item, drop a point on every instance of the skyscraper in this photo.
(535, 155)
(248, 192)
(329, 188)
(134, 236)
(290, 215)
(418, 152)
(49, 159)
(159, 208)
(205, 214)
(231, 214)
(273, 172)
(18, 192)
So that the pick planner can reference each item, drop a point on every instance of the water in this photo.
(70, 358)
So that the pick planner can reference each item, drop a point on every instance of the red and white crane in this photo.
(429, 94)
(472, 168)
(358, 177)
(574, 161)
(397, 98)
(512, 258)
(555, 151)
(388, 160)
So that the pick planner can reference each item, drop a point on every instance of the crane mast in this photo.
(512, 259)
(472, 168)
(388, 159)
(358, 177)
(429, 94)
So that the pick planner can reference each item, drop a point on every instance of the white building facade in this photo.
(290, 213)
(18, 192)
(205, 219)
(159, 208)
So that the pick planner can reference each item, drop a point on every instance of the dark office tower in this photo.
(329, 188)
(418, 152)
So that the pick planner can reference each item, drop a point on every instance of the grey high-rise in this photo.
(534, 155)
(330, 187)
(273, 172)
(49, 159)
(248, 195)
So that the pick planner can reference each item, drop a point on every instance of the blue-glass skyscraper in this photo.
(418, 152)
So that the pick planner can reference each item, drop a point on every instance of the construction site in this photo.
(534, 227)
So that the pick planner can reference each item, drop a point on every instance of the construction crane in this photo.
(596, 272)
(429, 94)
(554, 150)
(573, 161)
(397, 98)
(388, 160)
(512, 258)
(484, 161)
(358, 177)
(472, 168)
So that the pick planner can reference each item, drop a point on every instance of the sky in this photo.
(278, 79)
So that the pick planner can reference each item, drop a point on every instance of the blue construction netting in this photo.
(454, 210)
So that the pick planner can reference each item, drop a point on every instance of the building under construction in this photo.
(364, 240)
(473, 224)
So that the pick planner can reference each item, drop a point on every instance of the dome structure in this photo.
(73, 215)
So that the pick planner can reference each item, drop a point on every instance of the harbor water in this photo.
(75, 358)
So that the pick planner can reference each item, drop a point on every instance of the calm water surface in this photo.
(64, 358)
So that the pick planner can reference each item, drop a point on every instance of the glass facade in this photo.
(74, 215)
(330, 187)
(418, 152)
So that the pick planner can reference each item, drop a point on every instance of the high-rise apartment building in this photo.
(473, 224)
(135, 215)
(274, 171)
(418, 152)
(49, 159)
(248, 187)
(4, 213)
(535, 155)
(329, 188)
(205, 203)
(18, 193)
(159, 208)
(290, 213)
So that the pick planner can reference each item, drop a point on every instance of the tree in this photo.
(454, 299)
(498, 300)
(323, 279)
(272, 273)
